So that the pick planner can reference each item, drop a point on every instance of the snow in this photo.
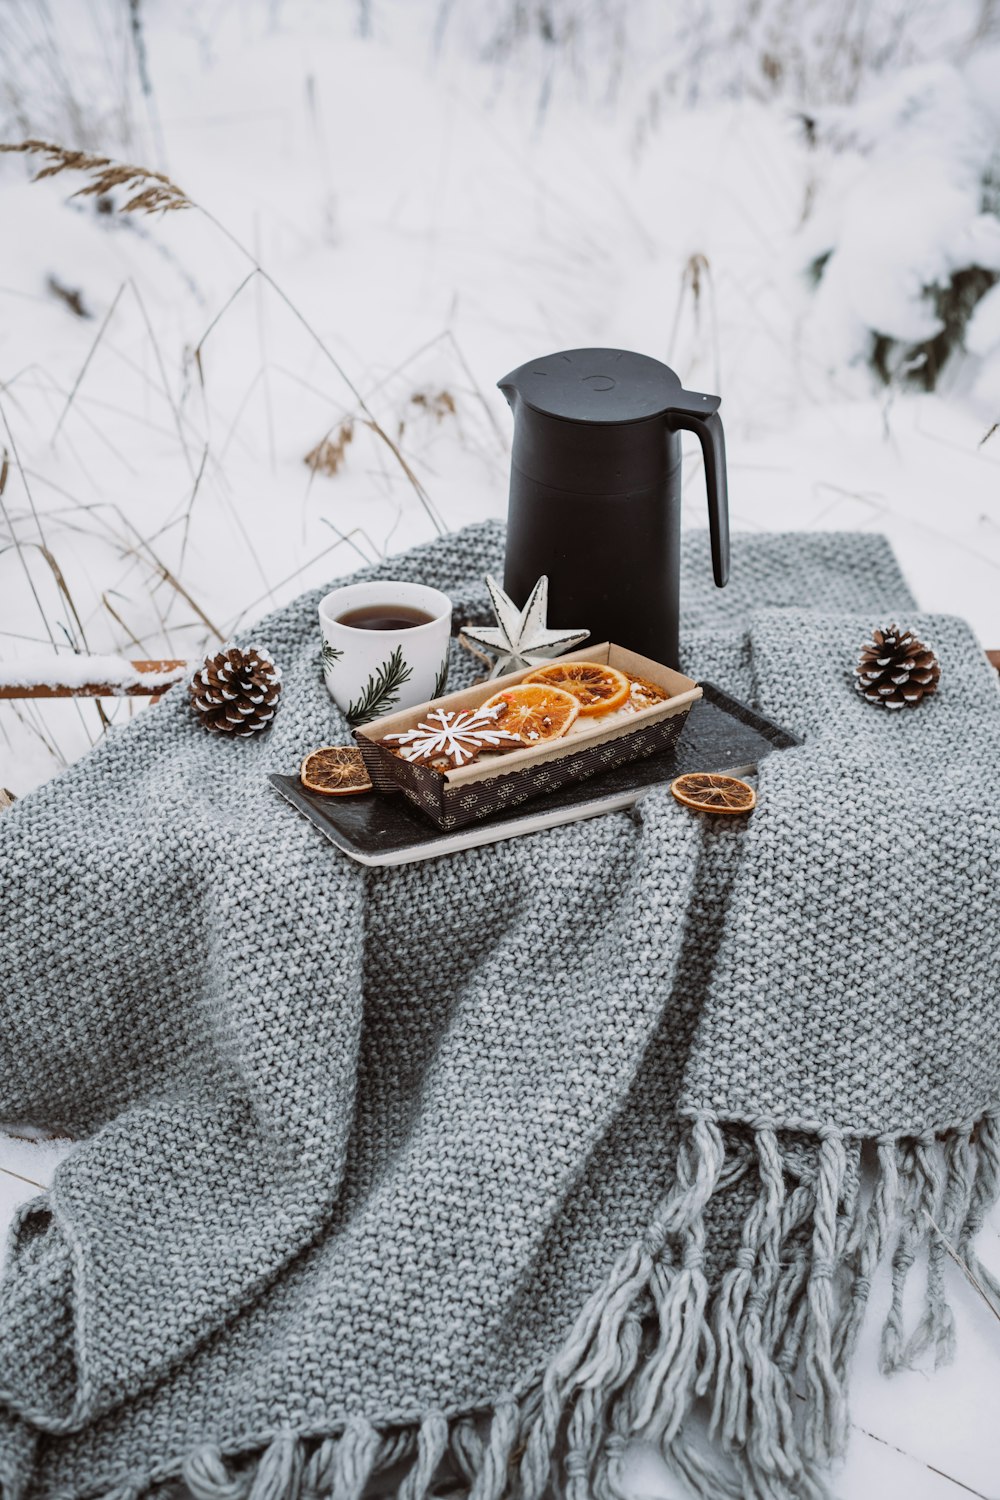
(441, 192)
(983, 333)
(71, 671)
(902, 209)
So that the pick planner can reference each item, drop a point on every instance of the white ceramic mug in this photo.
(369, 673)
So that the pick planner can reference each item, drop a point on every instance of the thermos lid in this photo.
(600, 386)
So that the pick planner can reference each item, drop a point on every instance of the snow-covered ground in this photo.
(401, 202)
(433, 220)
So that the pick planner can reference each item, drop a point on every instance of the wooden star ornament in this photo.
(521, 637)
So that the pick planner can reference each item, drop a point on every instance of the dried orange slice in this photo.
(597, 688)
(535, 711)
(706, 791)
(335, 771)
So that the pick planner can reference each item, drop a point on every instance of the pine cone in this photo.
(895, 670)
(237, 691)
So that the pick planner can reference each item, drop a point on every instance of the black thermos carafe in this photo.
(595, 492)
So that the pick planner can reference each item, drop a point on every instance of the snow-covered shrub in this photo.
(660, 57)
(902, 239)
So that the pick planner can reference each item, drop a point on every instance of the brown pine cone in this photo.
(895, 670)
(237, 691)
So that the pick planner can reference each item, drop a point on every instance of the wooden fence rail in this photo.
(154, 671)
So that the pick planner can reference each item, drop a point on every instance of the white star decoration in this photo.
(521, 637)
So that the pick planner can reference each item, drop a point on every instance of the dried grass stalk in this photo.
(438, 404)
(152, 192)
(71, 296)
(156, 193)
(329, 454)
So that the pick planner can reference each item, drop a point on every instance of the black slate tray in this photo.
(720, 734)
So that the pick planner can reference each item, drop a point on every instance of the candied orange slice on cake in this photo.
(597, 688)
(335, 771)
(645, 694)
(535, 711)
(706, 791)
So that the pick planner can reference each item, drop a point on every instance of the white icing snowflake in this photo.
(455, 735)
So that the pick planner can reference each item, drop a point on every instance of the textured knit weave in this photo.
(479, 1168)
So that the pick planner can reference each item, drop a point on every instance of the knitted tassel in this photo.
(279, 1470)
(352, 1461)
(728, 1420)
(207, 1477)
(432, 1441)
(772, 1446)
(825, 1424)
(611, 1305)
(913, 1232)
(753, 1398)
(491, 1481)
(985, 1191)
(960, 1181)
(937, 1324)
(584, 1437)
(870, 1252)
(587, 1442)
(851, 1214)
(738, 1329)
(395, 1447)
(589, 1355)
(662, 1393)
(317, 1474)
(664, 1387)
(465, 1449)
(611, 1436)
(782, 1317)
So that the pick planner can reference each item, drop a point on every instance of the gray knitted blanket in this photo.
(463, 1174)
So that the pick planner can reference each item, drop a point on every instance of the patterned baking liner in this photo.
(450, 804)
(450, 807)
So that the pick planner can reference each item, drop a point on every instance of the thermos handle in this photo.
(708, 430)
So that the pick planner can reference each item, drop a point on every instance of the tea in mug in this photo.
(384, 617)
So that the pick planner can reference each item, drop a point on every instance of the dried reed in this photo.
(964, 1267)
(156, 193)
(130, 189)
(71, 296)
(330, 452)
(152, 192)
(19, 1177)
(438, 404)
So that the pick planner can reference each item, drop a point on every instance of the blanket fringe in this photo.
(759, 1358)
